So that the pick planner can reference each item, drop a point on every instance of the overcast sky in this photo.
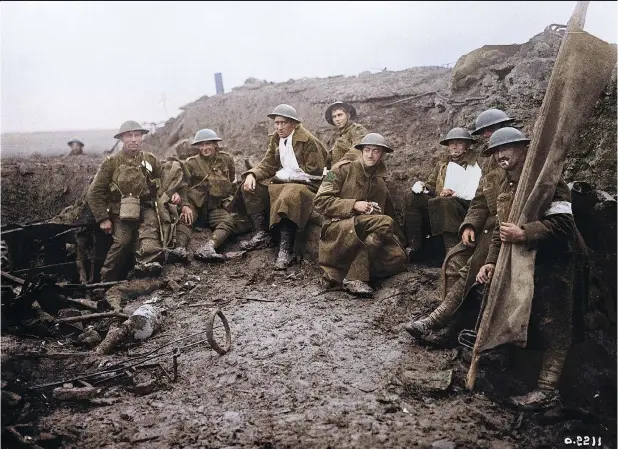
(93, 65)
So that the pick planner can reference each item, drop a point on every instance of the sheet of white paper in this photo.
(463, 181)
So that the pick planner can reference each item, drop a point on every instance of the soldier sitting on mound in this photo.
(359, 214)
(211, 174)
(439, 205)
(342, 115)
(283, 184)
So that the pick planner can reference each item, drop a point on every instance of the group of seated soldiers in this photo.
(150, 208)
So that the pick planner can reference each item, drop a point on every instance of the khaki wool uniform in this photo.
(118, 175)
(439, 214)
(477, 217)
(174, 177)
(289, 200)
(493, 201)
(560, 274)
(345, 233)
(209, 192)
(351, 135)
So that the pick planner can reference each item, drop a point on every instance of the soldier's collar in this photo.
(300, 134)
(345, 128)
(378, 170)
(137, 158)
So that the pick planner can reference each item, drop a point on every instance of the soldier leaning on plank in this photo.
(560, 266)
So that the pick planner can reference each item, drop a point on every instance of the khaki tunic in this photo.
(431, 213)
(121, 175)
(287, 200)
(173, 177)
(347, 138)
(208, 193)
(457, 262)
(561, 264)
(345, 233)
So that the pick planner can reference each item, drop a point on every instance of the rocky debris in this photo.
(74, 393)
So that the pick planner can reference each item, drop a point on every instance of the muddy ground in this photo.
(307, 370)
(319, 371)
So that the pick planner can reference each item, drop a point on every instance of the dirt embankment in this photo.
(39, 188)
(413, 108)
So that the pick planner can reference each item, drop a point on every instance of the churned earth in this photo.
(307, 369)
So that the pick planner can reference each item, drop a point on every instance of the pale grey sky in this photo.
(93, 65)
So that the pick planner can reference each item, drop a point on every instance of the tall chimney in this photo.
(219, 83)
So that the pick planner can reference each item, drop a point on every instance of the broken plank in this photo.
(93, 316)
(10, 277)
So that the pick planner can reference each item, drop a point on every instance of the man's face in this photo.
(131, 142)
(340, 118)
(458, 148)
(284, 126)
(75, 146)
(487, 132)
(511, 157)
(372, 155)
(208, 148)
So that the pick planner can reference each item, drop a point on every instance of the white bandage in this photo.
(419, 187)
(559, 207)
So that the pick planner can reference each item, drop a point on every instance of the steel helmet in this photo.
(503, 137)
(77, 141)
(284, 110)
(457, 134)
(490, 117)
(130, 125)
(374, 139)
(347, 107)
(205, 135)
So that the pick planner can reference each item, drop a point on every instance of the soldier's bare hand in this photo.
(106, 226)
(485, 273)
(363, 207)
(447, 192)
(176, 199)
(249, 185)
(511, 233)
(467, 237)
(186, 215)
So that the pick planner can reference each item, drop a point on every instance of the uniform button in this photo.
(485, 231)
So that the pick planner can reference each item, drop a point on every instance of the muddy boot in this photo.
(419, 329)
(261, 239)
(327, 284)
(285, 258)
(147, 270)
(358, 288)
(207, 253)
(537, 399)
(445, 337)
(440, 317)
(176, 255)
(450, 239)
